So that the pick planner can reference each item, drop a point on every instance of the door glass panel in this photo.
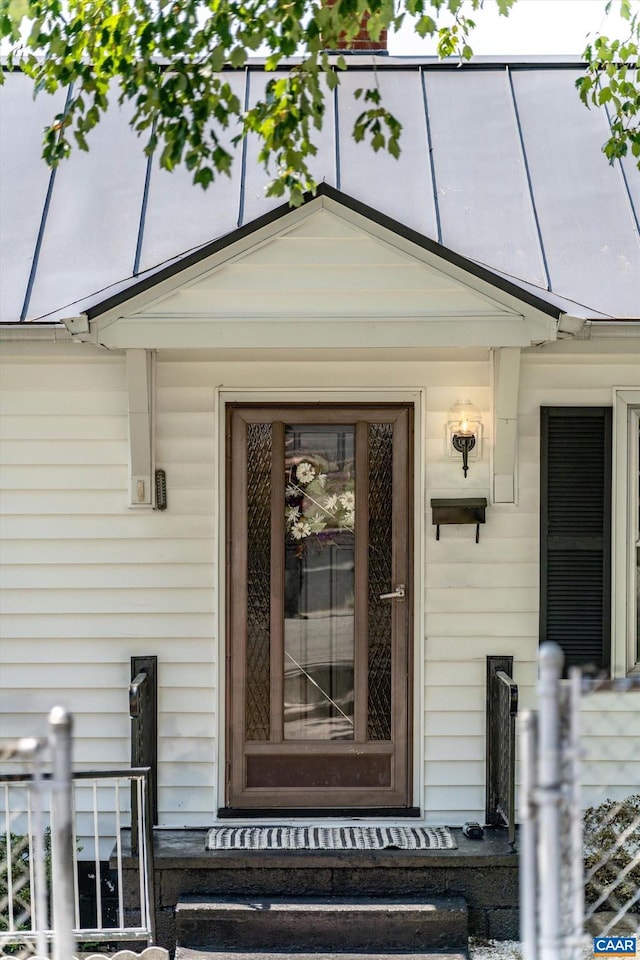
(319, 531)
(380, 580)
(258, 665)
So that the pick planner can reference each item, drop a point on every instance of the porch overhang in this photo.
(334, 276)
(398, 289)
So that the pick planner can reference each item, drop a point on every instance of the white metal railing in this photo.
(51, 821)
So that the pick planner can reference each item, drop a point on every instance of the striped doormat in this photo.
(330, 838)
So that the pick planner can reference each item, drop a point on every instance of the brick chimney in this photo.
(362, 41)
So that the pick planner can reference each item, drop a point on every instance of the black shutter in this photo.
(575, 532)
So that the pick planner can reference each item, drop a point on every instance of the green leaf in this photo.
(394, 147)
(17, 10)
(238, 57)
(204, 177)
(332, 79)
(216, 59)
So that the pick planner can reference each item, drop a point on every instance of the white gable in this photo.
(322, 275)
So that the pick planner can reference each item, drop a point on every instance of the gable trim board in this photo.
(331, 199)
(414, 292)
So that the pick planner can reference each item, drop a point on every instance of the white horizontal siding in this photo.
(106, 551)
(439, 749)
(71, 503)
(56, 426)
(482, 599)
(56, 477)
(95, 602)
(88, 583)
(128, 526)
(125, 576)
(102, 378)
(106, 626)
(475, 624)
(63, 452)
(452, 773)
(21, 402)
(474, 576)
(485, 600)
(47, 651)
(454, 724)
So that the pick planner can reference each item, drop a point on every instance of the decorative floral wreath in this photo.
(316, 503)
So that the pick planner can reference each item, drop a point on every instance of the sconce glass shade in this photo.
(464, 431)
(464, 418)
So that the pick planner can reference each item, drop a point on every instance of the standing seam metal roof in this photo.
(500, 163)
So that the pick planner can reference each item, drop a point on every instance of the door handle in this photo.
(398, 593)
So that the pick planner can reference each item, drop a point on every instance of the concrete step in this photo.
(185, 953)
(363, 924)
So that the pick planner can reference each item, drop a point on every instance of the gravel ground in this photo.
(495, 950)
(503, 950)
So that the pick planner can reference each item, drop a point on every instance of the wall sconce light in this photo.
(464, 431)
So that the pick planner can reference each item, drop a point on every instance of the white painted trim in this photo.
(219, 649)
(139, 368)
(506, 321)
(354, 395)
(626, 410)
(53, 348)
(610, 330)
(162, 288)
(310, 331)
(505, 386)
(542, 326)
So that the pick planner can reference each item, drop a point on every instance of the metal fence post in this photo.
(39, 909)
(62, 834)
(548, 799)
(575, 799)
(528, 841)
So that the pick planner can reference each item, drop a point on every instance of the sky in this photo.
(532, 27)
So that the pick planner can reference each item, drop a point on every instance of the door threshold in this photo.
(307, 813)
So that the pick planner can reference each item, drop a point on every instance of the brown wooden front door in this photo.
(318, 661)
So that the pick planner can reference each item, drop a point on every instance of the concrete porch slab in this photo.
(484, 872)
(186, 848)
(355, 924)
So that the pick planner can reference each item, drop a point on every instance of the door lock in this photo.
(398, 593)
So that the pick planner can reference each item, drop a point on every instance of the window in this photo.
(575, 532)
(626, 532)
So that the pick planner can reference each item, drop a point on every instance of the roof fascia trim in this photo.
(443, 252)
(34, 331)
(182, 264)
(270, 219)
